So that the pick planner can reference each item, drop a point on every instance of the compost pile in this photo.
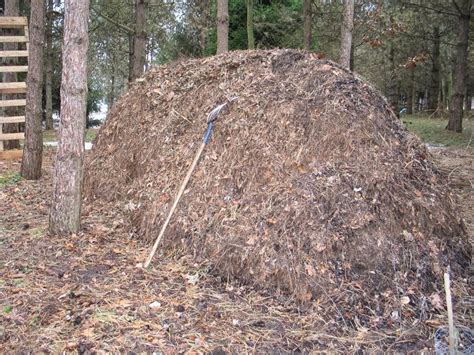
(309, 185)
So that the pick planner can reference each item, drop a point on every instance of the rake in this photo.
(211, 117)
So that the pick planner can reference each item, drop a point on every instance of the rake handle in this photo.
(175, 203)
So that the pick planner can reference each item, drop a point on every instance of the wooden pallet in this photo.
(13, 87)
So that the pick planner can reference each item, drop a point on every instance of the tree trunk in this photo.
(393, 86)
(467, 96)
(307, 24)
(68, 173)
(12, 8)
(111, 95)
(351, 62)
(49, 66)
(456, 104)
(33, 150)
(435, 68)
(346, 33)
(411, 92)
(131, 38)
(250, 34)
(139, 40)
(222, 26)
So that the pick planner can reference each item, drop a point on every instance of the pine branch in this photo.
(112, 21)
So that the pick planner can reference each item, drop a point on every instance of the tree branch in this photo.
(112, 21)
(424, 7)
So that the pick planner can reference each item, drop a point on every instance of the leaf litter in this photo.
(84, 293)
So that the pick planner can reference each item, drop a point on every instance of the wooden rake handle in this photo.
(211, 117)
(175, 203)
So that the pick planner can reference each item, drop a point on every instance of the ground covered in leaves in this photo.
(84, 293)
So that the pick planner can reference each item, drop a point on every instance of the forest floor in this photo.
(84, 293)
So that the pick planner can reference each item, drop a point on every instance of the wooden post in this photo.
(449, 304)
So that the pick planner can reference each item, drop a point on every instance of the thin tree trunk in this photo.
(307, 24)
(68, 174)
(393, 86)
(351, 62)
(222, 26)
(346, 33)
(435, 68)
(139, 40)
(111, 95)
(467, 96)
(33, 151)
(49, 66)
(411, 90)
(250, 34)
(12, 8)
(460, 69)
(131, 38)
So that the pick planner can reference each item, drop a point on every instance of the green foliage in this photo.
(7, 309)
(432, 130)
(187, 28)
(10, 179)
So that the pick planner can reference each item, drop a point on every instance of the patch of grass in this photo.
(37, 232)
(9, 179)
(106, 316)
(91, 133)
(50, 136)
(7, 309)
(432, 130)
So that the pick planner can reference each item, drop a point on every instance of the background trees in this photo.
(406, 48)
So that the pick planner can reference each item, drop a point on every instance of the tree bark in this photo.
(393, 86)
(250, 33)
(131, 45)
(139, 40)
(33, 150)
(12, 8)
(411, 92)
(222, 26)
(111, 94)
(346, 33)
(49, 66)
(307, 24)
(435, 69)
(68, 173)
(460, 69)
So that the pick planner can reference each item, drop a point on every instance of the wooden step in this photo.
(11, 136)
(12, 54)
(12, 119)
(13, 22)
(13, 39)
(18, 87)
(11, 103)
(13, 68)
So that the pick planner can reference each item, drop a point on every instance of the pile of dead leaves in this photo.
(310, 187)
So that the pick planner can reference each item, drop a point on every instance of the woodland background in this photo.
(405, 48)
